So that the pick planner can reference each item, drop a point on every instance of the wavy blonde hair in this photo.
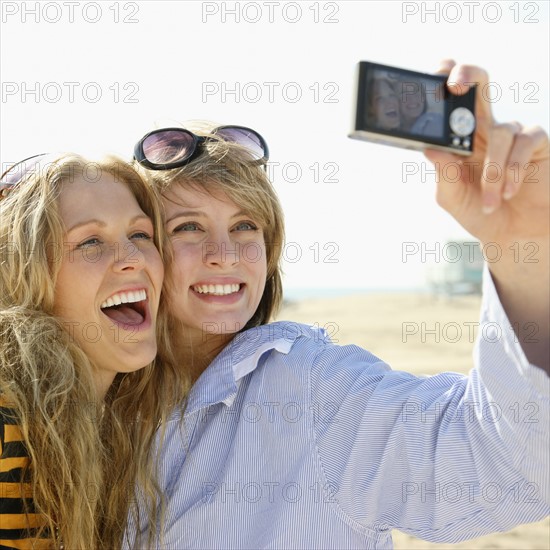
(86, 458)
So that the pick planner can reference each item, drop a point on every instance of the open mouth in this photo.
(217, 290)
(126, 308)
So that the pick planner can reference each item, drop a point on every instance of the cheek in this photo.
(78, 284)
(178, 278)
(253, 255)
(68, 295)
(182, 265)
(155, 265)
(257, 263)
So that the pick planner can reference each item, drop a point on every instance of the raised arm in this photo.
(502, 198)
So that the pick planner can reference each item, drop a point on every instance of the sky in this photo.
(93, 77)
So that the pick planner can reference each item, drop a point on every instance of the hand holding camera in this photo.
(501, 193)
(493, 178)
(502, 197)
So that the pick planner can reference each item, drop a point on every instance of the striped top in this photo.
(17, 525)
(292, 442)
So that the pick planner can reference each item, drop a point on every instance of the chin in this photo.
(134, 362)
(222, 325)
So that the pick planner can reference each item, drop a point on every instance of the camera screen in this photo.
(405, 104)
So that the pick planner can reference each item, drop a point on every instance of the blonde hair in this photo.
(226, 166)
(85, 456)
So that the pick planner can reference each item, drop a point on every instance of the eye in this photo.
(187, 226)
(141, 235)
(245, 226)
(93, 241)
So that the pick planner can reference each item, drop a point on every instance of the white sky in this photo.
(154, 62)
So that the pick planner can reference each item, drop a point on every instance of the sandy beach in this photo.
(421, 334)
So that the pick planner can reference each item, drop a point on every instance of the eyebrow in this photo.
(99, 223)
(198, 214)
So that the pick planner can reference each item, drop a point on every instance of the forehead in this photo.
(196, 196)
(81, 184)
(80, 197)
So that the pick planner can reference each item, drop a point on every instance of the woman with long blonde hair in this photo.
(80, 395)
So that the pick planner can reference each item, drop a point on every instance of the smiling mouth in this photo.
(217, 290)
(127, 308)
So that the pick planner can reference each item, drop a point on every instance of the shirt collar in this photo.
(220, 381)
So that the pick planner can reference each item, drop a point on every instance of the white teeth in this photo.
(125, 298)
(217, 290)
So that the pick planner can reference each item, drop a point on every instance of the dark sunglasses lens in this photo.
(168, 146)
(247, 138)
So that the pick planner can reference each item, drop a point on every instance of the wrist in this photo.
(523, 287)
(519, 262)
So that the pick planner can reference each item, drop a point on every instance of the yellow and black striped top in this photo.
(18, 522)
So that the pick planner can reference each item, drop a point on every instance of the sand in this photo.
(421, 334)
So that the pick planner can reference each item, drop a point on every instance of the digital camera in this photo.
(412, 110)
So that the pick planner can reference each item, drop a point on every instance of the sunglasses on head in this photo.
(169, 148)
(16, 172)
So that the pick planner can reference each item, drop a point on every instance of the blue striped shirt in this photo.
(290, 441)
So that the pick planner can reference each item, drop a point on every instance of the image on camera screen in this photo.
(396, 102)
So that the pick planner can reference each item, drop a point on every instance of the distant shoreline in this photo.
(297, 294)
(306, 293)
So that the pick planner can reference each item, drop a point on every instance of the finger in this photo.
(448, 192)
(527, 144)
(496, 163)
(462, 78)
(445, 66)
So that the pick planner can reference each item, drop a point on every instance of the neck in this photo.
(103, 381)
(195, 352)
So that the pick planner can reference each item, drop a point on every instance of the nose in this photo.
(221, 251)
(128, 257)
